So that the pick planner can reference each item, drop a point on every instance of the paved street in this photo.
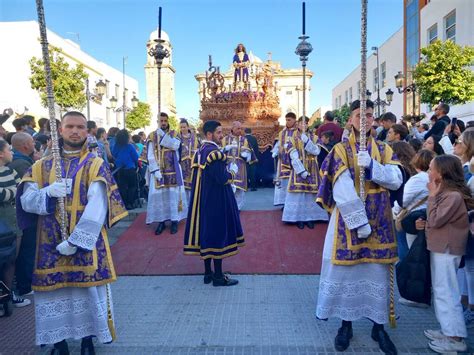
(262, 315)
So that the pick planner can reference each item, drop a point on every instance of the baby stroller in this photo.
(7, 256)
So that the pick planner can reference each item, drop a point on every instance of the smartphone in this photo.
(454, 122)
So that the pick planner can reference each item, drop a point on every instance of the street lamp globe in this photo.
(113, 102)
(389, 95)
(134, 101)
(399, 80)
(100, 87)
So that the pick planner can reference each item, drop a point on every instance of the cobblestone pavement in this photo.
(262, 315)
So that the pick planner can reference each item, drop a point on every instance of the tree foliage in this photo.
(139, 117)
(444, 74)
(343, 113)
(174, 123)
(68, 82)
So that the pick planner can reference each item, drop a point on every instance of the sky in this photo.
(111, 29)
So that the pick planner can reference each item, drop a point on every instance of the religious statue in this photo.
(241, 62)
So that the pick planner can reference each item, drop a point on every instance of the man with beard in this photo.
(71, 276)
(239, 152)
(166, 197)
(360, 241)
(213, 228)
(280, 150)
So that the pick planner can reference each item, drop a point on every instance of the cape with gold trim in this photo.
(381, 245)
(213, 228)
(85, 268)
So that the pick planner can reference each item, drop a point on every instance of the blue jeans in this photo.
(402, 245)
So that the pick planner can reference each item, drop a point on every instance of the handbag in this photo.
(404, 213)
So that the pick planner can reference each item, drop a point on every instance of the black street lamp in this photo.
(399, 81)
(99, 92)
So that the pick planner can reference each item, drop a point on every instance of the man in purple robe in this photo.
(360, 241)
(213, 228)
(71, 276)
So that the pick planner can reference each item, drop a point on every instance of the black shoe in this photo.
(208, 278)
(310, 224)
(224, 281)
(161, 227)
(385, 344)
(174, 227)
(343, 338)
(87, 346)
(300, 225)
(60, 348)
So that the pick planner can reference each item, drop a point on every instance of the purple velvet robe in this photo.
(85, 268)
(242, 73)
(381, 245)
(213, 228)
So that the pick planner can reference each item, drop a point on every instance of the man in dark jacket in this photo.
(23, 148)
(252, 168)
(330, 125)
(441, 113)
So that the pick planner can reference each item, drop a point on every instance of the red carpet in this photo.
(271, 248)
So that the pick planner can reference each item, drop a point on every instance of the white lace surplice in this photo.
(164, 203)
(280, 192)
(356, 291)
(302, 207)
(72, 312)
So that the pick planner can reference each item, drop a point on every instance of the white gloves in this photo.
(65, 249)
(304, 138)
(364, 231)
(160, 132)
(229, 147)
(363, 159)
(234, 188)
(246, 155)
(56, 189)
(157, 175)
(233, 168)
(304, 174)
(285, 146)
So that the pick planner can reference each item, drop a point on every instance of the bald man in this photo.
(239, 152)
(23, 148)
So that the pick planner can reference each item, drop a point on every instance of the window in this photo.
(126, 95)
(107, 116)
(358, 90)
(117, 91)
(433, 33)
(289, 92)
(383, 73)
(336, 106)
(347, 97)
(376, 79)
(340, 101)
(350, 94)
(450, 25)
(107, 85)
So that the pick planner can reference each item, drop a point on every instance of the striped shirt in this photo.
(9, 180)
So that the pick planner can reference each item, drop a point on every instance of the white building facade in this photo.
(454, 20)
(20, 41)
(390, 62)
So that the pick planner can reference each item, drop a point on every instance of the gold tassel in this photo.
(392, 317)
(110, 320)
(180, 204)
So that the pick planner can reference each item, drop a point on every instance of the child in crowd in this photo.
(447, 228)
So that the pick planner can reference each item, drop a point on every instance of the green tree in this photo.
(444, 74)
(174, 123)
(139, 117)
(68, 82)
(343, 113)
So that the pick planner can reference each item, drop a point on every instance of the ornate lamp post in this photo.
(159, 52)
(99, 92)
(303, 49)
(399, 81)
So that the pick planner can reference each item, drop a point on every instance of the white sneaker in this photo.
(409, 303)
(19, 302)
(31, 293)
(434, 334)
(447, 345)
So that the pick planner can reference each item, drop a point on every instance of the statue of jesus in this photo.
(241, 62)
